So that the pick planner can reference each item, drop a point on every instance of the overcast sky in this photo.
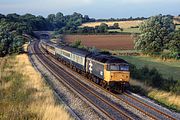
(93, 8)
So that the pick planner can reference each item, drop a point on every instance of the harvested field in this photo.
(125, 24)
(177, 20)
(122, 24)
(112, 42)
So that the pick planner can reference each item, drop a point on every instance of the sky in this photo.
(92, 8)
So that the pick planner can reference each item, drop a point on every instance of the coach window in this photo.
(66, 54)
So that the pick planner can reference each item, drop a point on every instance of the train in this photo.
(108, 71)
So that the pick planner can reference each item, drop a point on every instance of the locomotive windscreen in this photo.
(118, 67)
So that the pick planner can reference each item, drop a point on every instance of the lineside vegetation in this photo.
(23, 93)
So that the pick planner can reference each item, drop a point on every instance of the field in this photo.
(177, 20)
(166, 68)
(112, 42)
(122, 24)
(127, 25)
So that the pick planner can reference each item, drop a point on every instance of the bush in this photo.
(153, 78)
(137, 89)
(176, 88)
(171, 55)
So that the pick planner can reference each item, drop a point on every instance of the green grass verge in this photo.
(167, 69)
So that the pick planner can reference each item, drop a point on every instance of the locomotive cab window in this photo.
(114, 67)
(124, 68)
(118, 67)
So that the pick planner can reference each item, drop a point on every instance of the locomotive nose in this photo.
(119, 76)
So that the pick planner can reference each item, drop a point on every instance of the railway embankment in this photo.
(24, 94)
(76, 106)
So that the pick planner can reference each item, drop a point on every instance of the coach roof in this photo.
(51, 44)
(76, 51)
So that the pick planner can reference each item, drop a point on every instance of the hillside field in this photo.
(122, 24)
(127, 25)
(112, 42)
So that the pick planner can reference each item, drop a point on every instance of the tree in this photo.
(86, 18)
(102, 28)
(76, 43)
(51, 18)
(174, 44)
(154, 34)
(13, 17)
(11, 29)
(116, 25)
(2, 16)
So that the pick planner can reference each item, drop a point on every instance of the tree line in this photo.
(102, 28)
(14, 26)
(157, 33)
(158, 37)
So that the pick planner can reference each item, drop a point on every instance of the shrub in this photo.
(153, 78)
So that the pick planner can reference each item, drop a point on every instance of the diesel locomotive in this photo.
(108, 71)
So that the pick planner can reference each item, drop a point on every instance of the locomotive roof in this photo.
(106, 58)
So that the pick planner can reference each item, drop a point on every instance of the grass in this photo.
(166, 68)
(167, 99)
(23, 93)
(125, 30)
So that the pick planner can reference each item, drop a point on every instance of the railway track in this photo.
(155, 110)
(146, 109)
(105, 107)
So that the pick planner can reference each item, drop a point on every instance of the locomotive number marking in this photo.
(101, 73)
(90, 66)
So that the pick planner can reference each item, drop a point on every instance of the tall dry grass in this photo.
(167, 98)
(24, 95)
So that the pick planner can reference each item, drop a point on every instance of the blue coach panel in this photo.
(95, 67)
